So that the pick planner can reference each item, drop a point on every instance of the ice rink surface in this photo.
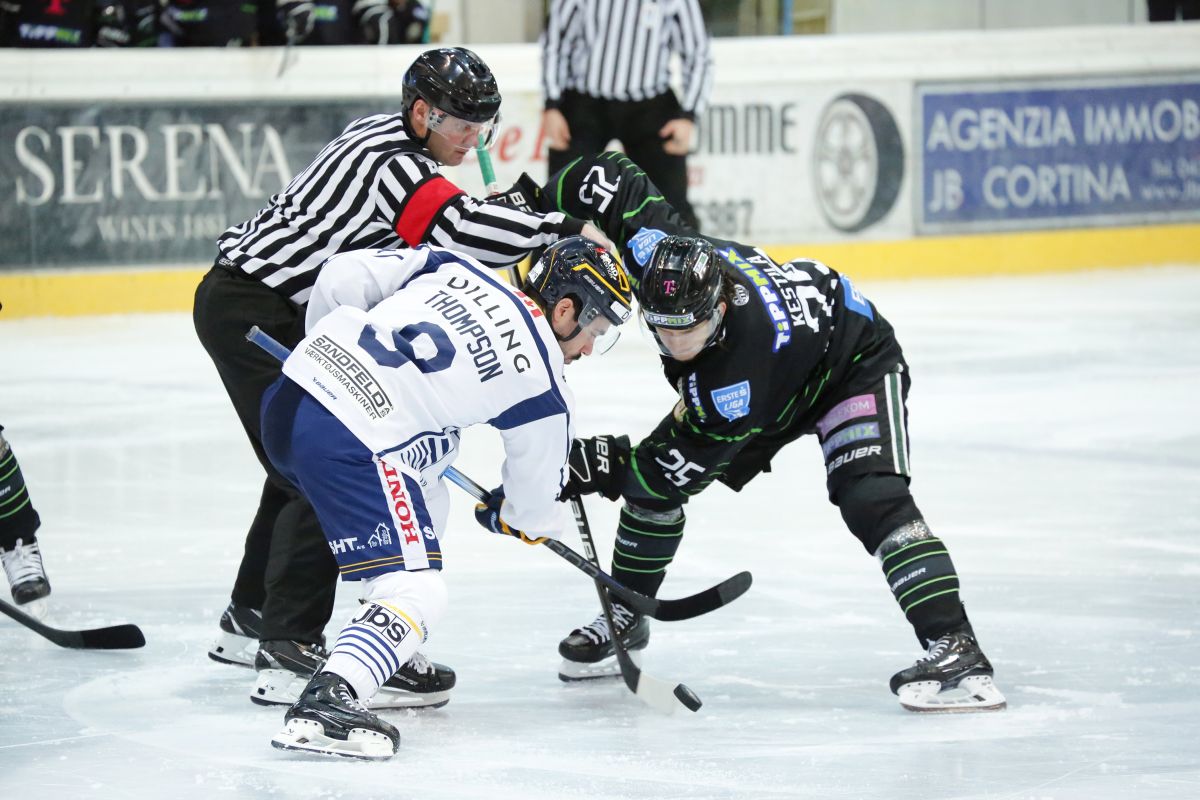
(1055, 446)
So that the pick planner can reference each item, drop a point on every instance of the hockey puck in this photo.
(687, 697)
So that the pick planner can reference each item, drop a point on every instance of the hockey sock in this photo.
(922, 578)
(18, 519)
(387, 629)
(645, 546)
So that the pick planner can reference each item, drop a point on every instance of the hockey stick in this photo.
(682, 608)
(654, 692)
(663, 610)
(116, 637)
(492, 187)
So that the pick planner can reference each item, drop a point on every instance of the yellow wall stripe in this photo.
(86, 291)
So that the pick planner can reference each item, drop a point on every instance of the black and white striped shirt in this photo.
(374, 186)
(621, 50)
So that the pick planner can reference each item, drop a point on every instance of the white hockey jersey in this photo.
(407, 347)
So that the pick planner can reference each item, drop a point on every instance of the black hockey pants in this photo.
(287, 569)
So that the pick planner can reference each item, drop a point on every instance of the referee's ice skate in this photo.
(954, 675)
(328, 719)
(238, 640)
(284, 668)
(587, 652)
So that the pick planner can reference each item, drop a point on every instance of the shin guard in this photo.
(645, 546)
(922, 577)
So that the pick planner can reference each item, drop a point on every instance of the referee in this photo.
(606, 68)
(377, 185)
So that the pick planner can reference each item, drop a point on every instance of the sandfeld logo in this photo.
(858, 162)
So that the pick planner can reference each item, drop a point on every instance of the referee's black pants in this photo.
(594, 122)
(287, 569)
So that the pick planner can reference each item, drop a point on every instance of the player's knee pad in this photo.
(421, 594)
(645, 545)
(874, 505)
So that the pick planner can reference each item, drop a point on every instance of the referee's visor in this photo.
(463, 135)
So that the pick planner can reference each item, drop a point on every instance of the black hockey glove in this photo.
(598, 465)
(525, 195)
(487, 514)
(298, 18)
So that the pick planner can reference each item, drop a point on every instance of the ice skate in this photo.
(284, 669)
(588, 651)
(26, 575)
(237, 642)
(328, 719)
(953, 676)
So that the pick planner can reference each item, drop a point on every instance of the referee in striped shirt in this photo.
(377, 185)
(606, 68)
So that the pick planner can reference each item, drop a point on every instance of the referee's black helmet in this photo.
(455, 80)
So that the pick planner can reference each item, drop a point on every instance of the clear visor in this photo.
(595, 326)
(461, 134)
(684, 344)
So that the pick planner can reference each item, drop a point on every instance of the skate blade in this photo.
(973, 693)
(281, 687)
(37, 608)
(396, 698)
(574, 671)
(230, 648)
(309, 737)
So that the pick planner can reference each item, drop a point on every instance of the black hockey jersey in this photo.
(795, 336)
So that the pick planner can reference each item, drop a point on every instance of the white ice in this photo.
(1056, 448)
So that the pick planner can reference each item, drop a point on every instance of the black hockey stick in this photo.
(654, 692)
(675, 610)
(116, 637)
(682, 608)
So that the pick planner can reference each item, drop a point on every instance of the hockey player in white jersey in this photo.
(404, 349)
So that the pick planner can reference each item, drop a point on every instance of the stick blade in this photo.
(116, 637)
(694, 605)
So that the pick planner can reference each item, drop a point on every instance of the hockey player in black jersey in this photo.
(761, 354)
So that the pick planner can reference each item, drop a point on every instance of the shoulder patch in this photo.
(643, 242)
(732, 401)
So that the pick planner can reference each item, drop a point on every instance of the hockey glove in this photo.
(525, 195)
(298, 18)
(487, 514)
(598, 465)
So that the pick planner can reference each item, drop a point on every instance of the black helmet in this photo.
(455, 80)
(579, 268)
(682, 283)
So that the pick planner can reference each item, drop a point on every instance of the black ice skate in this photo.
(284, 668)
(238, 641)
(588, 651)
(954, 675)
(26, 575)
(330, 720)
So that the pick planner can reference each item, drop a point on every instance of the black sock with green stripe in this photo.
(921, 575)
(18, 520)
(645, 546)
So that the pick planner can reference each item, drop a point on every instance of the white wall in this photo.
(882, 16)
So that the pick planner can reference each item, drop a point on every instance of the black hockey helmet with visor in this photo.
(679, 295)
(593, 277)
(462, 94)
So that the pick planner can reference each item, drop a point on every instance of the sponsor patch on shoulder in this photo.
(732, 401)
(854, 299)
(643, 242)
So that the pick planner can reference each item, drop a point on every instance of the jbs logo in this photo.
(384, 621)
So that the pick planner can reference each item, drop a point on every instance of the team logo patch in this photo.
(740, 295)
(643, 242)
(854, 299)
(732, 402)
